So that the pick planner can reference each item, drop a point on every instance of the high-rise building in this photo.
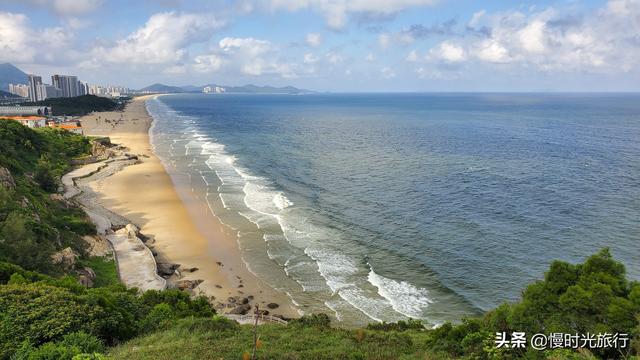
(21, 90)
(34, 81)
(83, 88)
(46, 91)
(68, 84)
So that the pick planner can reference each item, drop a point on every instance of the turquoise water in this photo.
(432, 206)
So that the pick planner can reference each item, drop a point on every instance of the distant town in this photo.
(63, 86)
(34, 103)
(26, 98)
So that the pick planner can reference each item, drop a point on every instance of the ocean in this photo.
(379, 207)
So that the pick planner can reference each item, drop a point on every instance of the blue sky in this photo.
(335, 45)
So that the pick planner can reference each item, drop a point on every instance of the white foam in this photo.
(256, 199)
(404, 297)
(281, 201)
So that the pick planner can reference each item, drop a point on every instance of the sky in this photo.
(333, 45)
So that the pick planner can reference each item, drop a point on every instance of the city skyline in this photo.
(402, 45)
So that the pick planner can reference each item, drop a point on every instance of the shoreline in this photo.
(181, 226)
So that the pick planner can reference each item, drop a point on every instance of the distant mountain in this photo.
(254, 89)
(246, 89)
(191, 88)
(6, 94)
(10, 74)
(162, 88)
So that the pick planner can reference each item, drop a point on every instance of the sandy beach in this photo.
(185, 232)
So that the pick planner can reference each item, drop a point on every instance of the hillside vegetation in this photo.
(45, 313)
(79, 105)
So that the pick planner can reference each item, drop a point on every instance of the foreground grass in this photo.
(105, 269)
(219, 338)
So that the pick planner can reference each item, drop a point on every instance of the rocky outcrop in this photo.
(166, 270)
(187, 284)
(86, 276)
(273, 306)
(132, 231)
(65, 257)
(6, 180)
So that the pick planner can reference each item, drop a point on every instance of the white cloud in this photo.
(249, 47)
(491, 51)
(248, 56)
(314, 39)
(412, 56)
(334, 57)
(336, 12)
(369, 57)
(21, 42)
(384, 40)
(15, 35)
(448, 52)
(532, 36)
(163, 39)
(602, 41)
(475, 18)
(208, 63)
(387, 72)
(310, 58)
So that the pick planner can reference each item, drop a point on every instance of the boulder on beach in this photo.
(167, 269)
(188, 284)
(273, 306)
(241, 309)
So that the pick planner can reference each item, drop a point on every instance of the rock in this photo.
(132, 231)
(244, 300)
(241, 309)
(240, 286)
(86, 276)
(139, 248)
(218, 286)
(273, 306)
(6, 180)
(65, 257)
(25, 203)
(250, 297)
(193, 269)
(187, 284)
(167, 269)
(60, 198)
(263, 312)
(219, 263)
(232, 299)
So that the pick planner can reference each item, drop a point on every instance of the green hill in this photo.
(79, 105)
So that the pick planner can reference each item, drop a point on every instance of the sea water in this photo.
(379, 207)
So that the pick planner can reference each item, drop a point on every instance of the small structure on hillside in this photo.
(17, 110)
(28, 121)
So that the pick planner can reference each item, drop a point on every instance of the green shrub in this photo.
(410, 324)
(592, 297)
(315, 320)
(37, 313)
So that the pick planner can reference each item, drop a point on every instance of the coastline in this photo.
(183, 230)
